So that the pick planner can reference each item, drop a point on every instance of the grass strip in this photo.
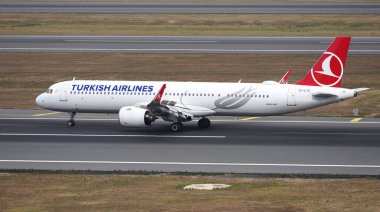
(192, 24)
(163, 192)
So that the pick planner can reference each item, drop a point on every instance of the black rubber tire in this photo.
(176, 127)
(70, 123)
(204, 123)
(208, 123)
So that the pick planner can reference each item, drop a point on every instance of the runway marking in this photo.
(46, 114)
(249, 118)
(111, 135)
(194, 163)
(57, 118)
(324, 122)
(175, 50)
(356, 119)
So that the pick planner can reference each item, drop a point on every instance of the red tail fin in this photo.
(328, 70)
(158, 96)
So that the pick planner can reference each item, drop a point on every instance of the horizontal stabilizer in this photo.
(360, 89)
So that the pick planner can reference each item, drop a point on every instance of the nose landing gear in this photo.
(71, 122)
(176, 127)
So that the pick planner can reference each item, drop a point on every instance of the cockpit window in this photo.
(50, 91)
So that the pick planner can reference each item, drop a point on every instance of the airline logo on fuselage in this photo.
(116, 88)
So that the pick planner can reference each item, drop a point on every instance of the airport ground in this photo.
(191, 24)
(24, 75)
(86, 191)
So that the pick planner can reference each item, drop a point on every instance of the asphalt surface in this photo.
(189, 8)
(183, 44)
(38, 139)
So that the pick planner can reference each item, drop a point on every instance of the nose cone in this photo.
(40, 100)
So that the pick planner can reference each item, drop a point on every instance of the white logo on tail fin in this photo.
(326, 69)
(326, 76)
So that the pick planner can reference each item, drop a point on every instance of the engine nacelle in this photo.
(130, 116)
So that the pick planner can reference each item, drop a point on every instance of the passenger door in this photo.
(292, 97)
(63, 93)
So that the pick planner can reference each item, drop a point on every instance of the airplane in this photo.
(140, 103)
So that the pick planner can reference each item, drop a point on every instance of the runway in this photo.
(189, 8)
(183, 44)
(38, 139)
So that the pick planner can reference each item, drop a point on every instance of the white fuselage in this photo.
(253, 99)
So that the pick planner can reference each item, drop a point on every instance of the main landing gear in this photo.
(204, 123)
(71, 122)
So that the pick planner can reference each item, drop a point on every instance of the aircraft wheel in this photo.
(208, 123)
(70, 123)
(176, 127)
(204, 123)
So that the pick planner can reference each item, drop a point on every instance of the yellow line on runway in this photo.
(46, 114)
(356, 119)
(249, 118)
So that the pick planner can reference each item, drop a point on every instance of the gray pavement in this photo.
(38, 139)
(183, 44)
(189, 8)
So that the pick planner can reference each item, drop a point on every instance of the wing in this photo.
(174, 111)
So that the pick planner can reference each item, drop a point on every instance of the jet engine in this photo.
(135, 117)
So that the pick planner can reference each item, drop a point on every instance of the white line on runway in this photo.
(194, 163)
(173, 50)
(110, 135)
